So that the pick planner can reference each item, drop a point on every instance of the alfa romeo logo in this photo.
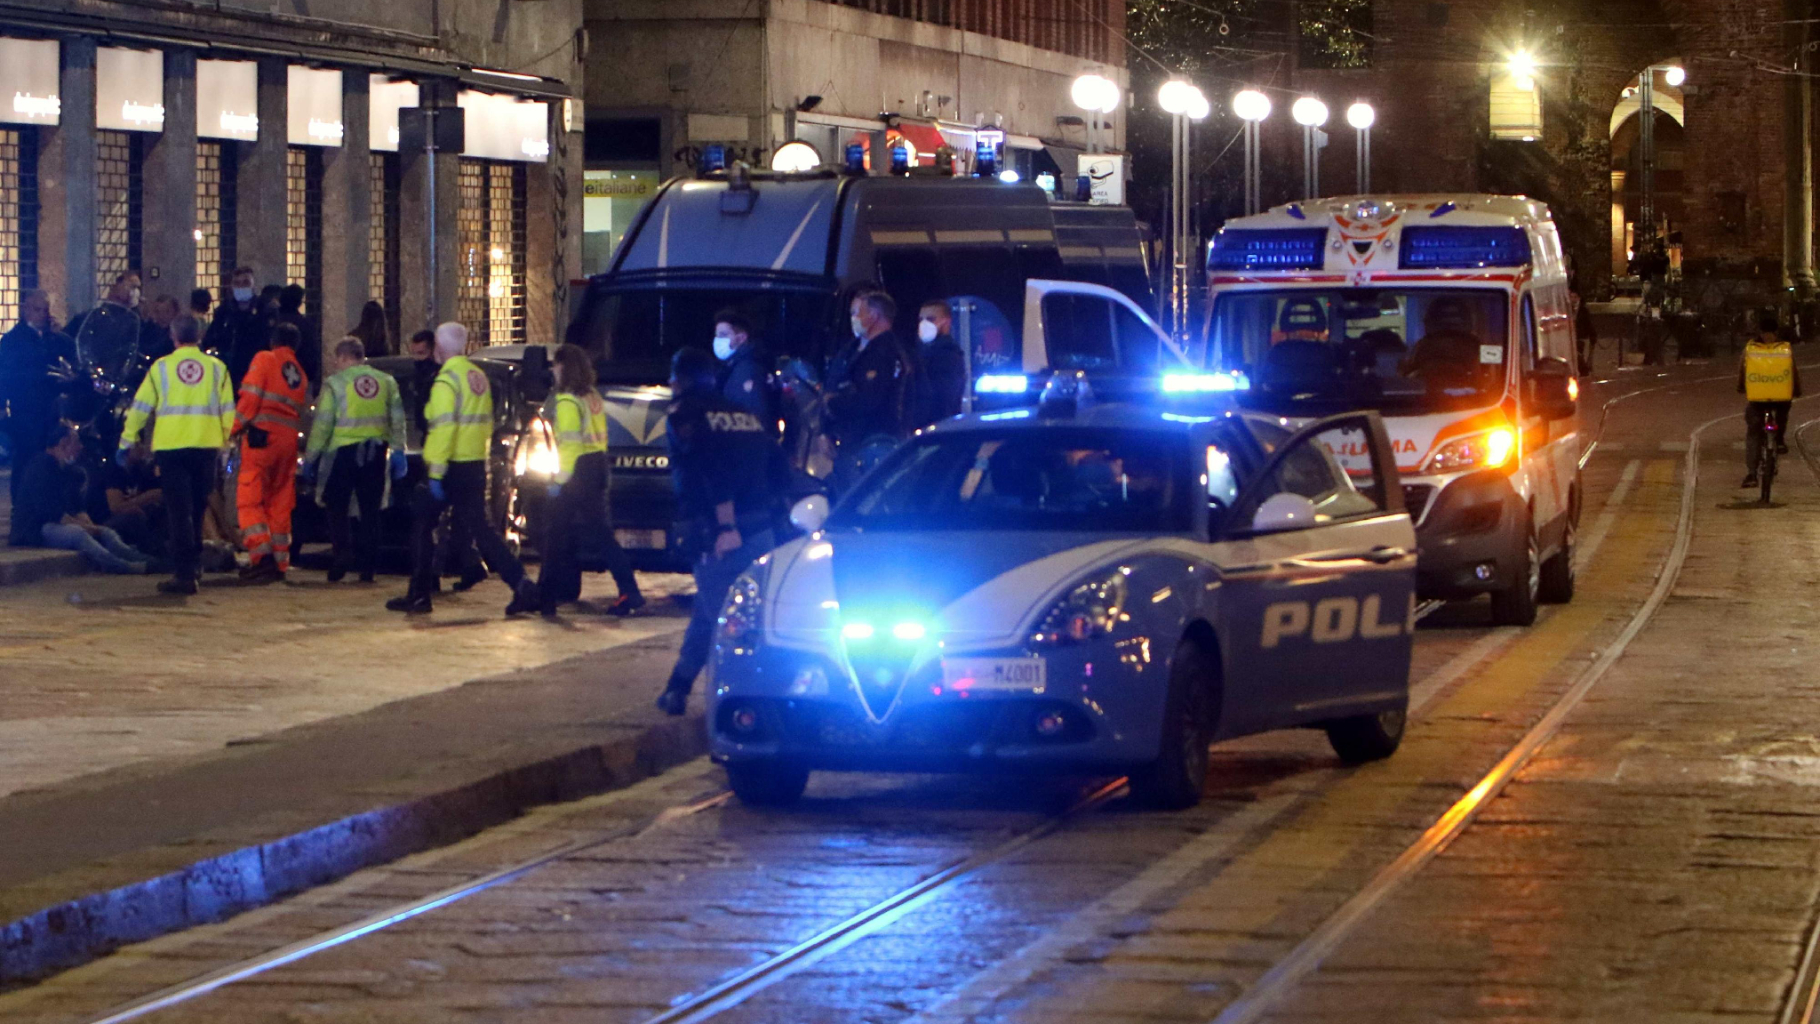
(189, 371)
(366, 386)
(477, 382)
(292, 375)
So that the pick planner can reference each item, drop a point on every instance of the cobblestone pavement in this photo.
(1656, 862)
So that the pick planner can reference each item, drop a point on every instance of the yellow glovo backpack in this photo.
(1769, 372)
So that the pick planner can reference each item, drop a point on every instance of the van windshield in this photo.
(633, 332)
(1408, 350)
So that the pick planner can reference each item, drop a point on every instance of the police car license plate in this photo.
(1017, 675)
(641, 540)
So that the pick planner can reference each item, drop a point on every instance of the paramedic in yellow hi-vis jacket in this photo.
(188, 395)
(578, 494)
(358, 417)
(1768, 379)
(459, 415)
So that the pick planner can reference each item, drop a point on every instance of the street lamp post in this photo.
(1095, 94)
(1361, 116)
(1646, 135)
(1252, 107)
(1311, 114)
(1185, 104)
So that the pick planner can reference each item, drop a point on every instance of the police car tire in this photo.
(1515, 605)
(1366, 738)
(767, 783)
(1178, 777)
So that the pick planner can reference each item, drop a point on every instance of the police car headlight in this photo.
(1089, 611)
(741, 621)
(1491, 449)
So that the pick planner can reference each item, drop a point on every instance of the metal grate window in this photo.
(491, 222)
(11, 228)
(120, 205)
(209, 258)
(230, 213)
(303, 223)
(382, 242)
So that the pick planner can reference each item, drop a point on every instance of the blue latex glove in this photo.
(399, 465)
(436, 490)
(120, 458)
(555, 491)
(306, 472)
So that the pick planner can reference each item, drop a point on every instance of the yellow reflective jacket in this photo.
(1769, 372)
(581, 428)
(460, 417)
(191, 396)
(358, 404)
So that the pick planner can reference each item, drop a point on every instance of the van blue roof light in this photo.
(1272, 249)
(1427, 248)
(713, 158)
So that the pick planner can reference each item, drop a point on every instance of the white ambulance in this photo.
(1449, 315)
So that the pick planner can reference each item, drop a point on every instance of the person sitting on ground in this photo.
(53, 510)
(130, 501)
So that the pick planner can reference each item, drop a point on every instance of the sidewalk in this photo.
(165, 763)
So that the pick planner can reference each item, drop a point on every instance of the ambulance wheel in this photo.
(1368, 737)
(767, 783)
(1557, 583)
(1515, 605)
(1178, 777)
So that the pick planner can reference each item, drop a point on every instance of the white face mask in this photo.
(859, 329)
(927, 331)
(723, 347)
(133, 296)
(243, 294)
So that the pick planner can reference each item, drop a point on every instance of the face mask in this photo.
(243, 294)
(927, 331)
(859, 329)
(135, 293)
(723, 347)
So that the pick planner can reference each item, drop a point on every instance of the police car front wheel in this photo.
(767, 783)
(1178, 777)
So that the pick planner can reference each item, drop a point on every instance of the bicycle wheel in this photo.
(1767, 474)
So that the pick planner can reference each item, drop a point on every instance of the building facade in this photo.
(1732, 165)
(667, 79)
(183, 140)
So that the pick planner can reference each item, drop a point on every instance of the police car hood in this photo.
(973, 588)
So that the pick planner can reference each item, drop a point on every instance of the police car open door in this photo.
(1317, 565)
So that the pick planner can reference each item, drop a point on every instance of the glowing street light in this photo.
(1252, 107)
(1675, 75)
(1184, 103)
(1097, 95)
(1311, 114)
(1362, 116)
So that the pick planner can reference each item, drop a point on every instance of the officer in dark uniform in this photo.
(871, 387)
(726, 468)
(745, 377)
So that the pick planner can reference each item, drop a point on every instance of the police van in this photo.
(1450, 316)
(788, 251)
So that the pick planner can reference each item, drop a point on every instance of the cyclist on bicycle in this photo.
(1768, 379)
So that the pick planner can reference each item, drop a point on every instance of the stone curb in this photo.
(45, 565)
(215, 888)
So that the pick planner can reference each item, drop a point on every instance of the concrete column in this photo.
(68, 166)
(1798, 139)
(426, 303)
(347, 214)
(261, 184)
(170, 186)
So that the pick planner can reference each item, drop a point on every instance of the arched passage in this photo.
(1627, 164)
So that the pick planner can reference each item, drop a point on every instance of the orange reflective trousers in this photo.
(266, 496)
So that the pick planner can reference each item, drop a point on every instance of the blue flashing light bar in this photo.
(1435, 248)
(1269, 249)
(1002, 384)
(1203, 383)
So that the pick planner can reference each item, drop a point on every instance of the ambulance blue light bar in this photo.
(1428, 248)
(1203, 383)
(1263, 249)
(1002, 384)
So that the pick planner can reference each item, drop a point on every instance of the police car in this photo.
(1110, 591)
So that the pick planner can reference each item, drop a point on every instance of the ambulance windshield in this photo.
(1407, 351)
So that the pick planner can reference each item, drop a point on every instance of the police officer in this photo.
(460, 415)
(1769, 380)
(745, 380)
(726, 468)
(358, 417)
(578, 494)
(870, 385)
(189, 393)
(944, 364)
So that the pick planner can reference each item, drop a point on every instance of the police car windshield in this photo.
(1072, 480)
(632, 333)
(1406, 350)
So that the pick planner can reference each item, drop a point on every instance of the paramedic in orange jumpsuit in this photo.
(268, 419)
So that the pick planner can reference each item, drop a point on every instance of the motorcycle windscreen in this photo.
(108, 342)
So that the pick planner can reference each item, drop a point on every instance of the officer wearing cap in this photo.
(729, 476)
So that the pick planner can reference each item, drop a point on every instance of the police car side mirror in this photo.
(1283, 512)
(1553, 389)
(809, 514)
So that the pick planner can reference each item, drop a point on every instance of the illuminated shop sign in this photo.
(227, 100)
(129, 90)
(313, 107)
(505, 127)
